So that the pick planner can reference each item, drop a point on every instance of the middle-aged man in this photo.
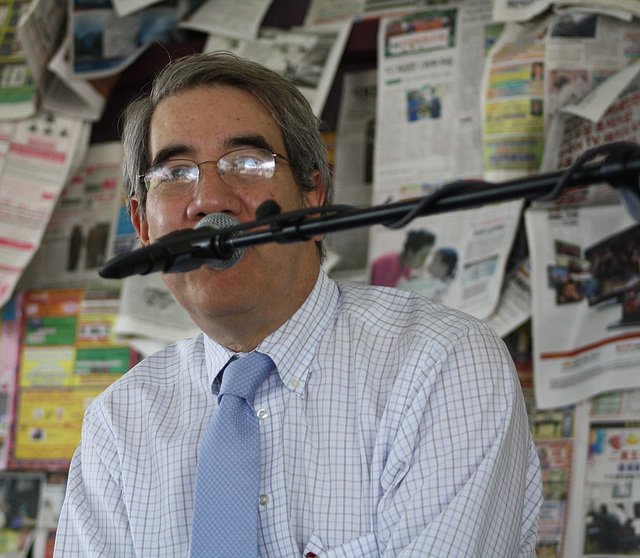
(391, 426)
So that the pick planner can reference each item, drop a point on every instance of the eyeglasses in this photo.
(241, 167)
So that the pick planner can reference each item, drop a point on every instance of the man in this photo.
(392, 427)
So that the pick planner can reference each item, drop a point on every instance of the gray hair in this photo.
(301, 129)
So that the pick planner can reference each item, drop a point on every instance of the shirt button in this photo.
(263, 499)
(295, 383)
(262, 414)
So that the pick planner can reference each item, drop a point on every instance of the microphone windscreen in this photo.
(221, 221)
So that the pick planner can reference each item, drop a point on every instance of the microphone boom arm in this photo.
(190, 248)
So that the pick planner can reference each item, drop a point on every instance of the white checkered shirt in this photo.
(394, 427)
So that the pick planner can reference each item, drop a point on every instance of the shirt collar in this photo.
(292, 346)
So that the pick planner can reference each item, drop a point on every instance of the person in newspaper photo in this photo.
(388, 425)
(388, 270)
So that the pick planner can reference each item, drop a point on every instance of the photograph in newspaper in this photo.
(462, 267)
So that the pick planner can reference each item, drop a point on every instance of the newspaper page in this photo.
(324, 11)
(513, 89)
(238, 20)
(52, 498)
(514, 308)
(17, 88)
(585, 278)
(536, 70)
(571, 137)
(429, 74)
(149, 310)
(309, 56)
(80, 234)
(595, 104)
(604, 511)
(554, 441)
(353, 168)
(460, 266)
(71, 96)
(48, 50)
(428, 132)
(40, 32)
(105, 44)
(591, 328)
(519, 10)
(125, 7)
(585, 51)
(36, 159)
(523, 10)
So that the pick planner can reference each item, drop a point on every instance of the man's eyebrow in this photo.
(234, 142)
(248, 140)
(171, 152)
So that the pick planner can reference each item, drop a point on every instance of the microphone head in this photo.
(221, 221)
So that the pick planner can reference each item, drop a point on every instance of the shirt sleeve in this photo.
(93, 521)
(462, 477)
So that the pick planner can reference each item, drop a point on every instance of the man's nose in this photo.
(212, 194)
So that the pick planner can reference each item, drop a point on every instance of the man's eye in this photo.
(246, 164)
(178, 174)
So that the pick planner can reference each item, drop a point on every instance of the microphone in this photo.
(221, 221)
(182, 250)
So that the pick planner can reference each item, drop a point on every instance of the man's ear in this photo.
(315, 197)
(141, 225)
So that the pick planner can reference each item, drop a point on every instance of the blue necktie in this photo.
(225, 509)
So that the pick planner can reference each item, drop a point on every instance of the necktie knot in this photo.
(243, 376)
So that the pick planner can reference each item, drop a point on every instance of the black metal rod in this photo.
(188, 249)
